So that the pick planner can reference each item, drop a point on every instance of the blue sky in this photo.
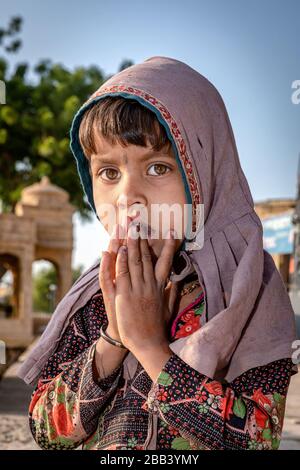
(249, 50)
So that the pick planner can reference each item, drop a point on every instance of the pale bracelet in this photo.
(111, 340)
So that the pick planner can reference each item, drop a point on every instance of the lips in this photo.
(143, 228)
(149, 231)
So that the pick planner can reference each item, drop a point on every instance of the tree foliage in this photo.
(43, 283)
(35, 122)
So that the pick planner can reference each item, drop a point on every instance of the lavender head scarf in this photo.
(248, 320)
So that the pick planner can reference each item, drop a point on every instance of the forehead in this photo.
(103, 146)
(104, 149)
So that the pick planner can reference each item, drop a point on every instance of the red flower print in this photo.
(173, 431)
(214, 387)
(201, 396)
(162, 395)
(187, 316)
(188, 328)
(262, 399)
(261, 418)
(53, 433)
(62, 420)
(227, 405)
(35, 398)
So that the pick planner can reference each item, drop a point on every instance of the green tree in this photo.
(35, 123)
(14, 27)
(44, 287)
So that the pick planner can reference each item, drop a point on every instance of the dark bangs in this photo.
(123, 121)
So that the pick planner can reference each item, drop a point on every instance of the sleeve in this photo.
(68, 399)
(202, 413)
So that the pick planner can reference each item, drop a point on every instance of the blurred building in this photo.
(40, 229)
(278, 233)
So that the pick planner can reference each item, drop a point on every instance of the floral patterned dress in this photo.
(70, 407)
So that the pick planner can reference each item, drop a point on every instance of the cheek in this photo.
(176, 191)
(182, 200)
(172, 193)
(105, 208)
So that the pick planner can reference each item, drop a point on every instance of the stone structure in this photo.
(40, 228)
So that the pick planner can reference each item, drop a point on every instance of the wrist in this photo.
(110, 331)
(153, 358)
(152, 348)
(103, 347)
(106, 336)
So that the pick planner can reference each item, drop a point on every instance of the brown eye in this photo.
(159, 169)
(111, 174)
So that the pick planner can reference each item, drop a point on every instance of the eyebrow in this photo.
(110, 159)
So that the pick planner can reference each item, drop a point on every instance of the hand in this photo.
(107, 278)
(141, 308)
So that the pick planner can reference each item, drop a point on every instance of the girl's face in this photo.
(126, 177)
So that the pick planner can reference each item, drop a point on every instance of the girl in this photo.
(183, 341)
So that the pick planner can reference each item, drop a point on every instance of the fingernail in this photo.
(123, 250)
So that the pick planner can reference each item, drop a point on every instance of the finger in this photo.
(164, 262)
(113, 246)
(117, 239)
(135, 264)
(148, 271)
(123, 280)
(124, 224)
(105, 279)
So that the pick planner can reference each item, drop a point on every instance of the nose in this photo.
(131, 194)
(127, 212)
